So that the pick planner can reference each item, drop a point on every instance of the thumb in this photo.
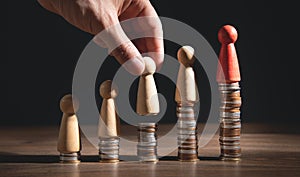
(120, 46)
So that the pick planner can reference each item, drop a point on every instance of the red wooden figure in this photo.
(228, 60)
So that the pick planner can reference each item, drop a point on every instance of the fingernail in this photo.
(134, 66)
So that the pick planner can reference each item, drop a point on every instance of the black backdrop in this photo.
(41, 51)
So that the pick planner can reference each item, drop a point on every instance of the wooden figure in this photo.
(69, 143)
(147, 98)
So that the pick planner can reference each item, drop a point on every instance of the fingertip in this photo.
(159, 63)
(130, 58)
(135, 66)
(158, 58)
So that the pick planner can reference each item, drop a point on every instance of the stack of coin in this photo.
(147, 142)
(70, 157)
(230, 122)
(187, 133)
(109, 149)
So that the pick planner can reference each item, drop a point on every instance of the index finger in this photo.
(151, 26)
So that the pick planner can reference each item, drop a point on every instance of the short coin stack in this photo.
(108, 127)
(230, 122)
(109, 149)
(187, 133)
(70, 157)
(147, 142)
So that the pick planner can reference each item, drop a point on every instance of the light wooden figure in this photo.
(147, 98)
(186, 89)
(69, 142)
(109, 123)
(186, 96)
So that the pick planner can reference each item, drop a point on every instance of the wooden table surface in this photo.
(266, 151)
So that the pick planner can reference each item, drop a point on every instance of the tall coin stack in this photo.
(147, 142)
(186, 96)
(228, 77)
(187, 133)
(230, 122)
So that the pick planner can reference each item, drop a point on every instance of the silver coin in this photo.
(230, 121)
(184, 137)
(231, 155)
(226, 85)
(227, 106)
(182, 151)
(147, 159)
(235, 155)
(233, 119)
(69, 156)
(109, 156)
(104, 148)
(147, 124)
(146, 147)
(229, 84)
(231, 143)
(112, 152)
(109, 151)
(108, 143)
(147, 143)
(235, 138)
(226, 89)
(229, 126)
(146, 152)
(185, 132)
(230, 147)
(230, 92)
(185, 115)
(187, 127)
(186, 123)
(147, 138)
(185, 109)
(230, 114)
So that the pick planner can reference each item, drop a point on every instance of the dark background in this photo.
(41, 51)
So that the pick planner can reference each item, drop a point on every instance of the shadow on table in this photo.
(18, 158)
(174, 158)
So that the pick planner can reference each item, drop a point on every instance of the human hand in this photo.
(104, 16)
